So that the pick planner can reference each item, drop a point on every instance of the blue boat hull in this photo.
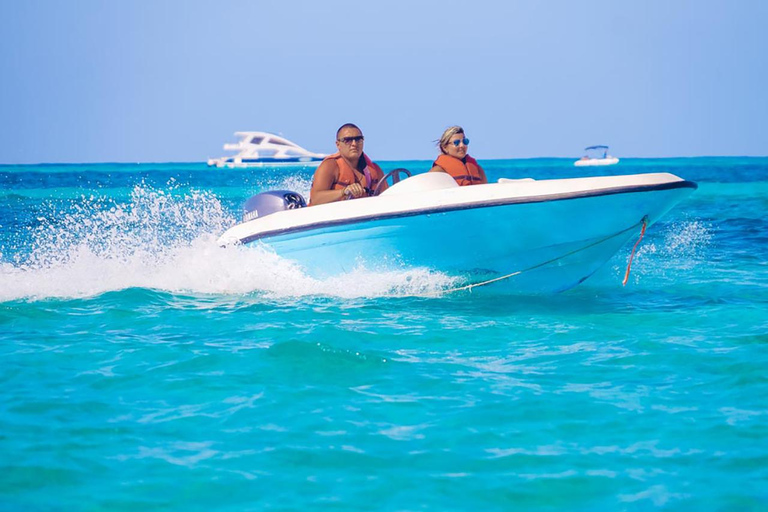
(539, 246)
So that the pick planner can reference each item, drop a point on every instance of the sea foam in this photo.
(166, 240)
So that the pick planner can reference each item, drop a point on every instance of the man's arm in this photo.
(322, 184)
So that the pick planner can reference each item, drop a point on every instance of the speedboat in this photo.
(591, 159)
(528, 235)
(258, 149)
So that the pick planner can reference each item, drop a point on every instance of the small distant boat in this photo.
(595, 158)
(259, 149)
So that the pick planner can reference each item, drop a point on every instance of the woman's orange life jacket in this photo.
(347, 176)
(464, 174)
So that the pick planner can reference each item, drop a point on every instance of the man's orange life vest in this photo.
(372, 173)
(464, 174)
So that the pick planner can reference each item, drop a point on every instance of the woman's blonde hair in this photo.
(447, 134)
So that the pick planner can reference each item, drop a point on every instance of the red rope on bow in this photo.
(632, 255)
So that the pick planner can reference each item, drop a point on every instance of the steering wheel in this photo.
(395, 174)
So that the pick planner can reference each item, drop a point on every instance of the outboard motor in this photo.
(271, 202)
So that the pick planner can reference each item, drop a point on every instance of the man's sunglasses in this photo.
(350, 140)
(458, 142)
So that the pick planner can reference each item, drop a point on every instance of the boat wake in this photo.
(166, 240)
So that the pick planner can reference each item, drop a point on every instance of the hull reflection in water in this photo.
(525, 235)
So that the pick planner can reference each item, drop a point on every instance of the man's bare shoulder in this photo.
(331, 163)
(326, 174)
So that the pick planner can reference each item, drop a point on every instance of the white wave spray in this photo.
(681, 248)
(166, 240)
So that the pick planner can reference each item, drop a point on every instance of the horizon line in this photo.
(3, 164)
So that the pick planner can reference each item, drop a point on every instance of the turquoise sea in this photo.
(142, 367)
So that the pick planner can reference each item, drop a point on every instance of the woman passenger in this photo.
(455, 161)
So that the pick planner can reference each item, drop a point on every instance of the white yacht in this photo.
(258, 149)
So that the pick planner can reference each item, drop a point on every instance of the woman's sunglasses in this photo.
(457, 143)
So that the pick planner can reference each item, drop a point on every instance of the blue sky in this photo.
(171, 80)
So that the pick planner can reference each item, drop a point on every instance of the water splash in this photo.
(685, 242)
(166, 240)
(295, 183)
(681, 247)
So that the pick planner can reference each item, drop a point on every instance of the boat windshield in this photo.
(596, 151)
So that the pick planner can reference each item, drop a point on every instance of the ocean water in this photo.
(143, 367)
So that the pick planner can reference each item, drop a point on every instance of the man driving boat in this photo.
(348, 173)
